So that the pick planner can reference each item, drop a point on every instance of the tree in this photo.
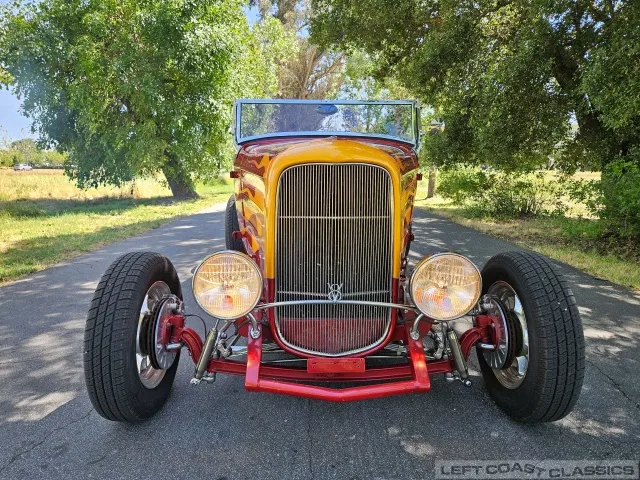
(308, 71)
(611, 79)
(311, 73)
(129, 87)
(508, 78)
(5, 77)
(26, 149)
(272, 45)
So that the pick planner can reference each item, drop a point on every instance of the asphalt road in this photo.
(49, 430)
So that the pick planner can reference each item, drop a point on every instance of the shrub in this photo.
(503, 194)
(620, 198)
(615, 199)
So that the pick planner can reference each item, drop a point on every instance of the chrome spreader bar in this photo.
(337, 302)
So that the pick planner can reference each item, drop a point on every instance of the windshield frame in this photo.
(415, 115)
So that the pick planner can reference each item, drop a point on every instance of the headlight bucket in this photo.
(445, 286)
(227, 284)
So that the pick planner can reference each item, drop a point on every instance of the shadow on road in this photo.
(221, 431)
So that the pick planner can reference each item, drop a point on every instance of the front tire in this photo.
(541, 310)
(231, 224)
(123, 386)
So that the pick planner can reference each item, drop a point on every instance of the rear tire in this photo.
(111, 339)
(231, 225)
(555, 369)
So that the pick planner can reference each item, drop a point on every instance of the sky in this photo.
(14, 125)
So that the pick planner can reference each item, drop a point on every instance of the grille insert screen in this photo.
(333, 241)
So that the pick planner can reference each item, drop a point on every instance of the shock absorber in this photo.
(458, 357)
(203, 361)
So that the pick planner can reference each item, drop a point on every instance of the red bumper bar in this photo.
(253, 382)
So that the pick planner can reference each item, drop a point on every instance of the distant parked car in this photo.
(22, 166)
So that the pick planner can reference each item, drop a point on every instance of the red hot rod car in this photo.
(314, 296)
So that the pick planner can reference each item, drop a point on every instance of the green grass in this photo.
(573, 240)
(51, 220)
(45, 219)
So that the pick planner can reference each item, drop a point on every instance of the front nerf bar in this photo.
(253, 382)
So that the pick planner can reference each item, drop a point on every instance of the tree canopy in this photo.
(513, 81)
(307, 71)
(130, 87)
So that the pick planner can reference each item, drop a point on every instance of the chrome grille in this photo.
(334, 232)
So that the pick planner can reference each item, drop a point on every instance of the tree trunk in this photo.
(431, 186)
(178, 178)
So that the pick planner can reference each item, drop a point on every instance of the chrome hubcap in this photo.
(149, 376)
(512, 375)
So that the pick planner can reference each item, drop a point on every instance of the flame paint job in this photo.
(259, 165)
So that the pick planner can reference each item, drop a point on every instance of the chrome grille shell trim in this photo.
(334, 227)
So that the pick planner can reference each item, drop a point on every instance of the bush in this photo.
(615, 199)
(620, 199)
(503, 194)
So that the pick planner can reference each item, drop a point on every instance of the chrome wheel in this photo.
(149, 376)
(498, 357)
(510, 370)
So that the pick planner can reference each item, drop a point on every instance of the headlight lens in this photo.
(227, 285)
(445, 286)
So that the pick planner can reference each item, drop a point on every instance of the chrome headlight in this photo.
(445, 286)
(227, 285)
